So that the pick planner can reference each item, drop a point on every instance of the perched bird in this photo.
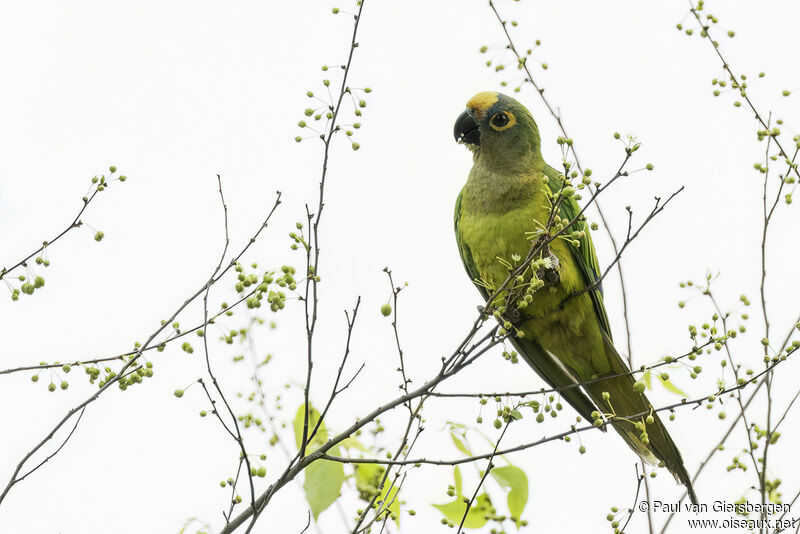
(563, 330)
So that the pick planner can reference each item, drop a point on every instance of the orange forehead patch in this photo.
(481, 102)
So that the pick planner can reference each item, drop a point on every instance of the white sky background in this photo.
(173, 93)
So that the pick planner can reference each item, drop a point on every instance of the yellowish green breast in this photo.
(498, 235)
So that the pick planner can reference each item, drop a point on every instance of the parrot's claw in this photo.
(550, 274)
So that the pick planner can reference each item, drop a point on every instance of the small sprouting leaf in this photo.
(514, 480)
(648, 379)
(669, 386)
(459, 443)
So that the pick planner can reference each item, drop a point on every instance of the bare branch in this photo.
(76, 223)
(312, 265)
(134, 357)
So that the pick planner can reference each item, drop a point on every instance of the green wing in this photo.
(584, 255)
(466, 255)
(549, 368)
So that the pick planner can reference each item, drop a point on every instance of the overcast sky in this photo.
(173, 93)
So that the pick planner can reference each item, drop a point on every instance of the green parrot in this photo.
(563, 332)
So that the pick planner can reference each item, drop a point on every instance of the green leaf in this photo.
(648, 379)
(476, 516)
(353, 443)
(514, 480)
(313, 416)
(323, 478)
(368, 478)
(457, 477)
(323, 481)
(460, 445)
(669, 386)
(389, 496)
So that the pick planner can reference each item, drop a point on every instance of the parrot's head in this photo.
(498, 130)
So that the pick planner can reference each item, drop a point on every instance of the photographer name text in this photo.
(741, 508)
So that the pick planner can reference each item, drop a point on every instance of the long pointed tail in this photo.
(647, 436)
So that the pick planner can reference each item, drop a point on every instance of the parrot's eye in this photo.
(500, 120)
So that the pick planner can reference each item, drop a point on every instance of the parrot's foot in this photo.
(549, 274)
(514, 317)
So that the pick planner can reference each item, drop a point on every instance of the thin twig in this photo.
(134, 358)
(486, 472)
(632, 509)
(312, 274)
(573, 430)
(76, 223)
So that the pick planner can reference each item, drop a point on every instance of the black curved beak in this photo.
(466, 130)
